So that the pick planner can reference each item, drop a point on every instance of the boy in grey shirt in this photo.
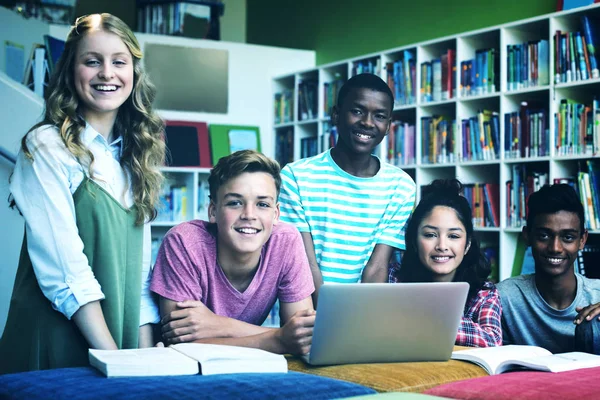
(554, 308)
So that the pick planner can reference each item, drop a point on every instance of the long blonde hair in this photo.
(141, 129)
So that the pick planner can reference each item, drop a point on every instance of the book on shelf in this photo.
(479, 138)
(307, 99)
(497, 360)
(195, 19)
(186, 359)
(586, 184)
(400, 76)
(437, 138)
(479, 76)
(309, 146)
(526, 132)
(527, 64)
(575, 54)
(330, 92)
(523, 182)
(401, 143)
(284, 107)
(589, 46)
(438, 82)
(576, 128)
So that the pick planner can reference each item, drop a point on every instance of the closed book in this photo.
(186, 359)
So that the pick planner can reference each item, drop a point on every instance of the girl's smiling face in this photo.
(103, 74)
(442, 243)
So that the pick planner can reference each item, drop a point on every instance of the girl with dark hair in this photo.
(440, 247)
(86, 181)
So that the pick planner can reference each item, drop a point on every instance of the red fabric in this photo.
(578, 384)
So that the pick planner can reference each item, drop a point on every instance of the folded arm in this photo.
(192, 321)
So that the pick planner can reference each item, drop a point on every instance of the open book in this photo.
(496, 360)
(186, 359)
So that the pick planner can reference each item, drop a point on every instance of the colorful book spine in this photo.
(588, 34)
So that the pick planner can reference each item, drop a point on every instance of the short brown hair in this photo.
(239, 162)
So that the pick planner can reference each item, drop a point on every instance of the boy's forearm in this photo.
(266, 340)
(232, 328)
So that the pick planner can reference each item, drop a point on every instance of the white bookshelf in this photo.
(501, 100)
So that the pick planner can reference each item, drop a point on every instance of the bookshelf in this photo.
(489, 84)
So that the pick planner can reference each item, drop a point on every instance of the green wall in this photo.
(341, 29)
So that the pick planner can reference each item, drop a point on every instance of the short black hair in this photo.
(364, 81)
(551, 199)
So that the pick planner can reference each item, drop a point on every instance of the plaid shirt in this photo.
(480, 324)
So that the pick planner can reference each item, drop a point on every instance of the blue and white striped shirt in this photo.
(346, 215)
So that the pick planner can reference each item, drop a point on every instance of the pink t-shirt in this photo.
(186, 269)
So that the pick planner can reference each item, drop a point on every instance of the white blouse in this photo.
(43, 190)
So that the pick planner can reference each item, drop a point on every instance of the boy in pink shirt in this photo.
(218, 280)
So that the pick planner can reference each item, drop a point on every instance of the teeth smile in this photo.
(247, 230)
(554, 260)
(105, 88)
(441, 259)
(362, 135)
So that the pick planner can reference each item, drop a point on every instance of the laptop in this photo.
(383, 322)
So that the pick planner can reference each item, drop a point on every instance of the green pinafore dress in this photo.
(38, 337)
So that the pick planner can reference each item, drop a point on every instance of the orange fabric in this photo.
(395, 377)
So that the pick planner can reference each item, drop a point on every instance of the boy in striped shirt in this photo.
(350, 207)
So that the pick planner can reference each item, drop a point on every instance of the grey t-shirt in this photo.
(528, 319)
